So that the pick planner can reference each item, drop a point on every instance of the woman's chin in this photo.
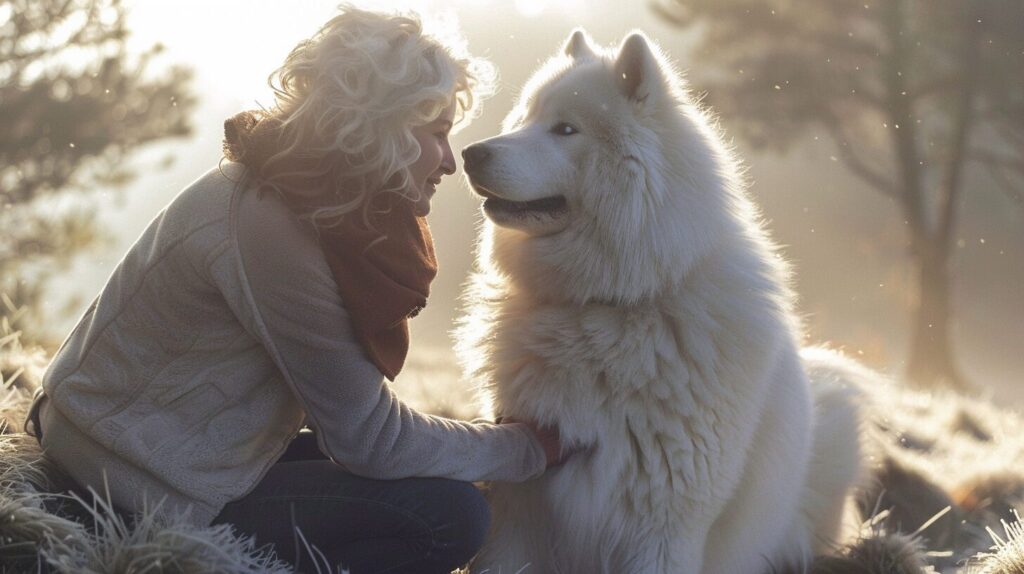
(422, 207)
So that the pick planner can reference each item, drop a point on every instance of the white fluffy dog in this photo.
(627, 293)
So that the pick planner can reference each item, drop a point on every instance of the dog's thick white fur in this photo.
(627, 293)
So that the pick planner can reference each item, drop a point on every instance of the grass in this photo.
(947, 478)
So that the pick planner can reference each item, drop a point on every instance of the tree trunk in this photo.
(931, 363)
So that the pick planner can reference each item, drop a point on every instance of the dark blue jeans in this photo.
(428, 525)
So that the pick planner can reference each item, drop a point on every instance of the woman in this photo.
(274, 292)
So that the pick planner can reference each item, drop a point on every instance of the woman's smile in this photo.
(436, 157)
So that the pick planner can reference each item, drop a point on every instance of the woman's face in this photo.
(436, 158)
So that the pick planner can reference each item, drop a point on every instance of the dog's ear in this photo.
(636, 69)
(578, 45)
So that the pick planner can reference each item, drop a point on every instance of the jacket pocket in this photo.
(194, 406)
(176, 417)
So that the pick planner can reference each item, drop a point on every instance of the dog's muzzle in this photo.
(475, 156)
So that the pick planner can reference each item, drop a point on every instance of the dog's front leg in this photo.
(518, 540)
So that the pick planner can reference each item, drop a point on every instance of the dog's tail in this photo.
(837, 462)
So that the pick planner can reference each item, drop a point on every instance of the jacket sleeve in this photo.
(294, 309)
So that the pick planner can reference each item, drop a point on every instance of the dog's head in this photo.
(608, 181)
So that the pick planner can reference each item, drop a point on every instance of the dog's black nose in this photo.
(474, 156)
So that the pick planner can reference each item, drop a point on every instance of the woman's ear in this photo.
(578, 45)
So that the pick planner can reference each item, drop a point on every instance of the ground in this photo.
(946, 473)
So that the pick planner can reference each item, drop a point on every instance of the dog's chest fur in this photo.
(640, 388)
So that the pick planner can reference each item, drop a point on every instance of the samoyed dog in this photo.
(627, 293)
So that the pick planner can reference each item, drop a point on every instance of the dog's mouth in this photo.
(500, 208)
(547, 205)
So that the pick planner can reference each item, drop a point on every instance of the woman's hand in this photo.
(548, 437)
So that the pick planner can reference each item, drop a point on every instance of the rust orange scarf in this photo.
(383, 274)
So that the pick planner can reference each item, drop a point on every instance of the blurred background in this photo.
(884, 142)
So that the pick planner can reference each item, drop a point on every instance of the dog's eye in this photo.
(564, 129)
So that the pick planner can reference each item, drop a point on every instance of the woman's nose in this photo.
(448, 160)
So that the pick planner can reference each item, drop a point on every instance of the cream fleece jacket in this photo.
(219, 333)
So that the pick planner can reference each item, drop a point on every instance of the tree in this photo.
(74, 105)
(912, 93)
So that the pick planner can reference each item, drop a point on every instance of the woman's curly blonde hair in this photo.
(345, 102)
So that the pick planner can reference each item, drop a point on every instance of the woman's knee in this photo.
(466, 523)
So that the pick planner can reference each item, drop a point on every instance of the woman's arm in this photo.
(290, 303)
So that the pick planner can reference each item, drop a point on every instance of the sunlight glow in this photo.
(531, 8)
(236, 44)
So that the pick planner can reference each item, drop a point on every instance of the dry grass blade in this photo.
(1008, 555)
(155, 543)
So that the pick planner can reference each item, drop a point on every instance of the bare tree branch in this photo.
(964, 123)
(942, 76)
(1012, 136)
(899, 112)
(1011, 184)
(933, 86)
(997, 160)
(857, 164)
(1007, 173)
(734, 17)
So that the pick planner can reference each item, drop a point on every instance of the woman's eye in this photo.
(564, 129)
